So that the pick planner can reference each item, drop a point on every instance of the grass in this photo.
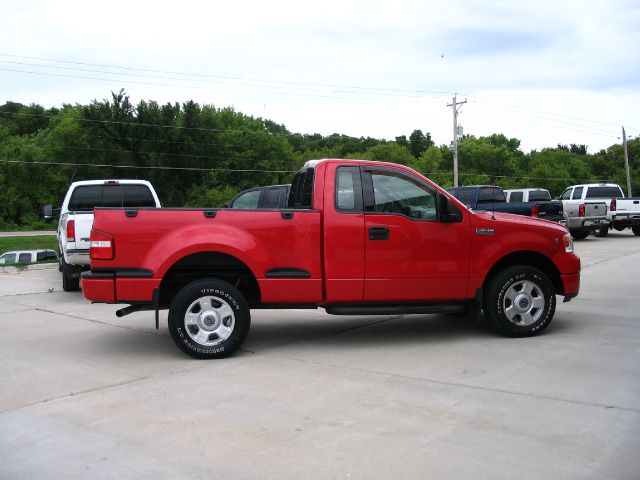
(8, 244)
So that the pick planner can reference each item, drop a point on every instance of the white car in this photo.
(28, 256)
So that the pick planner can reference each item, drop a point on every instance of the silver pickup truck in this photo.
(622, 212)
(583, 215)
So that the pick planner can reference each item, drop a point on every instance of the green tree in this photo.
(419, 142)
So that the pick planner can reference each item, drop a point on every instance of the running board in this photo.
(396, 309)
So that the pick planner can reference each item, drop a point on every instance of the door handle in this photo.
(378, 233)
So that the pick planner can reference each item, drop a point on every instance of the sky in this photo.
(545, 72)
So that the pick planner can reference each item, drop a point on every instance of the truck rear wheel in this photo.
(209, 319)
(636, 230)
(601, 231)
(579, 234)
(70, 276)
(520, 301)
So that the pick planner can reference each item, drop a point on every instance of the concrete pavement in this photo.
(88, 395)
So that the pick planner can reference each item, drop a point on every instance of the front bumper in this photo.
(571, 285)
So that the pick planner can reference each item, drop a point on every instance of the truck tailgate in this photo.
(551, 210)
(83, 224)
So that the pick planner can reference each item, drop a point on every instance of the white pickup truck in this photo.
(76, 218)
(583, 215)
(622, 212)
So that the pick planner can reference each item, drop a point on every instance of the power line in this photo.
(227, 77)
(205, 169)
(141, 167)
(288, 87)
(516, 107)
(600, 133)
(181, 155)
(117, 122)
(416, 98)
(352, 90)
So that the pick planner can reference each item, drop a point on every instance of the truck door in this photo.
(410, 255)
(344, 235)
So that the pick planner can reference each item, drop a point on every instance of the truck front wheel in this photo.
(520, 301)
(636, 230)
(209, 319)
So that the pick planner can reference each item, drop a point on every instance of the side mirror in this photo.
(49, 213)
(448, 212)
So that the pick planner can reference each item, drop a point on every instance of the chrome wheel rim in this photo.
(523, 303)
(209, 321)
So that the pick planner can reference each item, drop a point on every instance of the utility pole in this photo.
(626, 161)
(454, 144)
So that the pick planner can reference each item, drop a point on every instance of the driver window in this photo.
(566, 194)
(394, 194)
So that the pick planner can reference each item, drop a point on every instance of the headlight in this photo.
(568, 243)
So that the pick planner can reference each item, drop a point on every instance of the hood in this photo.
(511, 219)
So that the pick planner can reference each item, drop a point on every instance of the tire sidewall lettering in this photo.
(225, 292)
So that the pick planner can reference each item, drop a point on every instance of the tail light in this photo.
(71, 231)
(535, 211)
(581, 210)
(102, 246)
(614, 205)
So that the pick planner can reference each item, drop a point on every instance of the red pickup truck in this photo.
(356, 237)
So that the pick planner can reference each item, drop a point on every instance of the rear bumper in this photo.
(99, 287)
(77, 257)
(121, 286)
(626, 220)
(590, 223)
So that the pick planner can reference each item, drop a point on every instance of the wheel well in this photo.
(531, 259)
(209, 265)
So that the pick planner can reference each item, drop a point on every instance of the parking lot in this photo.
(88, 395)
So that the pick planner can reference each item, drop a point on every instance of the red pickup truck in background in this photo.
(357, 237)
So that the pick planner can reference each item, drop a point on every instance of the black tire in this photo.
(70, 276)
(579, 234)
(519, 301)
(601, 231)
(636, 230)
(213, 332)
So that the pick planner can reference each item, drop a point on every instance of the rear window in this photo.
(539, 195)
(490, 195)
(46, 255)
(301, 194)
(465, 195)
(88, 197)
(604, 192)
